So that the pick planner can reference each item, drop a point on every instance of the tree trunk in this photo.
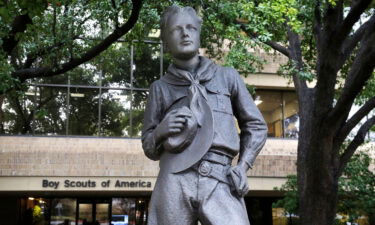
(316, 168)
(318, 195)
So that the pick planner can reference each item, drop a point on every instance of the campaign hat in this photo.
(189, 146)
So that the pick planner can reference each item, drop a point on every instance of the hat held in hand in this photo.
(180, 141)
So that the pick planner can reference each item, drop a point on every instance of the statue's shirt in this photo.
(227, 97)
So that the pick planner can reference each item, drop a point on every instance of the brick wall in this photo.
(77, 156)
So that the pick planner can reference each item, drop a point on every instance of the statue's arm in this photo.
(250, 120)
(152, 117)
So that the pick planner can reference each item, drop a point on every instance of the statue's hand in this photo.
(238, 180)
(173, 123)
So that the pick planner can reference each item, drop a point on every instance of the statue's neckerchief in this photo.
(197, 92)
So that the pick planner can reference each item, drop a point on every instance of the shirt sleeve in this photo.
(252, 125)
(152, 118)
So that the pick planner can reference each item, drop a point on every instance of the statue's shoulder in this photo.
(226, 74)
(167, 92)
(158, 85)
(225, 78)
(157, 88)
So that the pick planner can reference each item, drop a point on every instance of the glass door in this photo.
(93, 213)
(85, 214)
(102, 213)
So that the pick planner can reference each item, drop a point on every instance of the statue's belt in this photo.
(214, 165)
(213, 156)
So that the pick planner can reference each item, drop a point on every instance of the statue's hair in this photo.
(172, 10)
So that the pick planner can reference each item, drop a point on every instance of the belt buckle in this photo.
(204, 168)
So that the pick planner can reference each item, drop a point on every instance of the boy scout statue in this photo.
(189, 127)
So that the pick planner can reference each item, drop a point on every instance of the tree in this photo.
(326, 41)
(71, 39)
(356, 190)
(47, 111)
(47, 38)
(322, 40)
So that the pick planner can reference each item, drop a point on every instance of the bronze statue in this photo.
(189, 126)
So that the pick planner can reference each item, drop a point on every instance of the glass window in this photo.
(85, 74)
(8, 116)
(50, 111)
(102, 214)
(291, 118)
(129, 211)
(63, 211)
(115, 113)
(141, 212)
(37, 211)
(59, 79)
(270, 105)
(280, 111)
(123, 210)
(138, 109)
(85, 213)
(116, 68)
(83, 111)
(103, 97)
(146, 64)
(16, 114)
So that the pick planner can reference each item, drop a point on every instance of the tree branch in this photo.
(333, 18)
(19, 25)
(353, 16)
(24, 74)
(296, 55)
(283, 50)
(274, 45)
(318, 22)
(356, 142)
(30, 58)
(353, 121)
(351, 42)
(327, 54)
(360, 71)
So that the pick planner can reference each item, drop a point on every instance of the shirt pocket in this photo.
(219, 100)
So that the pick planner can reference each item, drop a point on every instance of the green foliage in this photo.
(251, 89)
(47, 112)
(240, 54)
(240, 26)
(367, 91)
(37, 213)
(291, 68)
(64, 30)
(356, 190)
(290, 201)
(6, 80)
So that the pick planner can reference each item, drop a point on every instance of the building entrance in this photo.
(75, 211)
(93, 212)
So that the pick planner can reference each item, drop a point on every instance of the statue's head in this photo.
(180, 31)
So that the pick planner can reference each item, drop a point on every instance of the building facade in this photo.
(70, 149)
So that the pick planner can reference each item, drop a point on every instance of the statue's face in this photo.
(183, 36)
